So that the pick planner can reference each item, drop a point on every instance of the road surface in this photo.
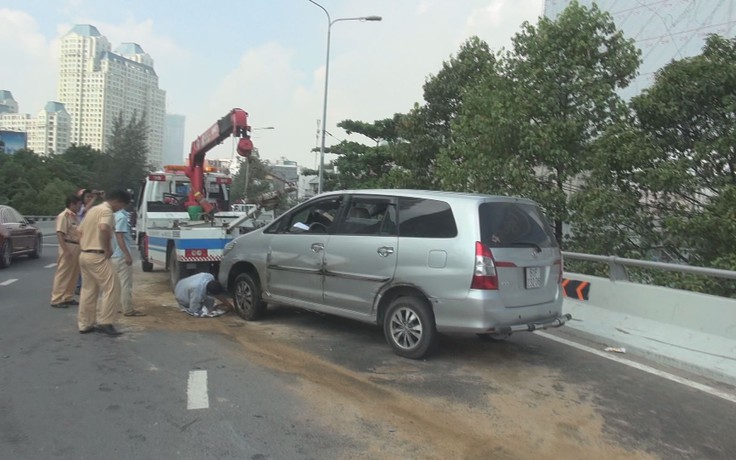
(303, 385)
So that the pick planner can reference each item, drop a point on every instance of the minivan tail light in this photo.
(561, 263)
(485, 276)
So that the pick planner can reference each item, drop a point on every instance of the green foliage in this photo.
(428, 129)
(29, 183)
(528, 128)
(84, 166)
(38, 185)
(128, 152)
(257, 172)
(650, 179)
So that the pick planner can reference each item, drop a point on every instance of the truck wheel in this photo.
(248, 302)
(409, 327)
(177, 270)
(145, 265)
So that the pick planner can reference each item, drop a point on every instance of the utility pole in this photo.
(316, 146)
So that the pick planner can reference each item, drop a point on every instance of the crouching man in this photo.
(197, 292)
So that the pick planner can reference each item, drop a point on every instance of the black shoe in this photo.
(72, 303)
(109, 329)
(59, 305)
(87, 330)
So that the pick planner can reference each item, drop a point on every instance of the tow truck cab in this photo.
(163, 194)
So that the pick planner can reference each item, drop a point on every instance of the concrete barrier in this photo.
(40, 218)
(47, 227)
(687, 330)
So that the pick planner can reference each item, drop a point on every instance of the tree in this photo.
(257, 182)
(83, 166)
(529, 127)
(677, 152)
(360, 165)
(22, 175)
(128, 152)
(662, 184)
(427, 129)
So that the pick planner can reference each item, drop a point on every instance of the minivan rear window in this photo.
(422, 218)
(507, 225)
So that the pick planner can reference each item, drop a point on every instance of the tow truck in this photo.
(184, 217)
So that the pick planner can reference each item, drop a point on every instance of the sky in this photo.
(264, 56)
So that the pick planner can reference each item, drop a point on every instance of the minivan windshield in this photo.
(513, 225)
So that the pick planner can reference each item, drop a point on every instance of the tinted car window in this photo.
(316, 217)
(369, 216)
(423, 218)
(505, 225)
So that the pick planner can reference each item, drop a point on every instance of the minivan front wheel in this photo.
(409, 327)
(248, 302)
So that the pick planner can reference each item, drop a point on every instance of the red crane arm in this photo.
(234, 123)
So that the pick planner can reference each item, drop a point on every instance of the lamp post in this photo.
(330, 22)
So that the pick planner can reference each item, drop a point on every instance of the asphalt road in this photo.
(304, 385)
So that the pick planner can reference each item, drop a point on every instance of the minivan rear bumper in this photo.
(555, 322)
(483, 312)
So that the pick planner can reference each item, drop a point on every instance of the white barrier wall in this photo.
(691, 331)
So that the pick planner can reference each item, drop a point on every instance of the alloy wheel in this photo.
(406, 328)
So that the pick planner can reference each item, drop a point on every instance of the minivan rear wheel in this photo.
(248, 302)
(409, 327)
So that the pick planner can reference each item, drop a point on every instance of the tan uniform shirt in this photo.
(68, 224)
(100, 214)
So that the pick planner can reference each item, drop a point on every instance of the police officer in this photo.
(98, 273)
(67, 263)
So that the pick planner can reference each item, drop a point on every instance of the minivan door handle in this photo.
(317, 247)
(384, 251)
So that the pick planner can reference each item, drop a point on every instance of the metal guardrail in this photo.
(617, 266)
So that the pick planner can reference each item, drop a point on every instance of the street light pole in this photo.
(330, 22)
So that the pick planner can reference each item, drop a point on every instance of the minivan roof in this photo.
(432, 194)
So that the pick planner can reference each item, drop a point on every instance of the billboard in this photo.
(10, 141)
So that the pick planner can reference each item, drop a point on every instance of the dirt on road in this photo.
(513, 415)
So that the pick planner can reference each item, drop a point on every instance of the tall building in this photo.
(7, 103)
(49, 132)
(663, 30)
(174, 152)
(96, 85)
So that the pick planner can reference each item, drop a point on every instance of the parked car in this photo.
(18, 236)
(416, 263)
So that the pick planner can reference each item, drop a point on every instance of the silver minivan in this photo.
(417, 263)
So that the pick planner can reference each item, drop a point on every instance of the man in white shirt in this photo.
(198, 291)
(122, 258)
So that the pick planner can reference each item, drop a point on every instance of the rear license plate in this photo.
(533, 277)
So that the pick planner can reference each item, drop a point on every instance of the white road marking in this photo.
(8, 282)
(197, 397)
(49, 266)
(643, 367)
